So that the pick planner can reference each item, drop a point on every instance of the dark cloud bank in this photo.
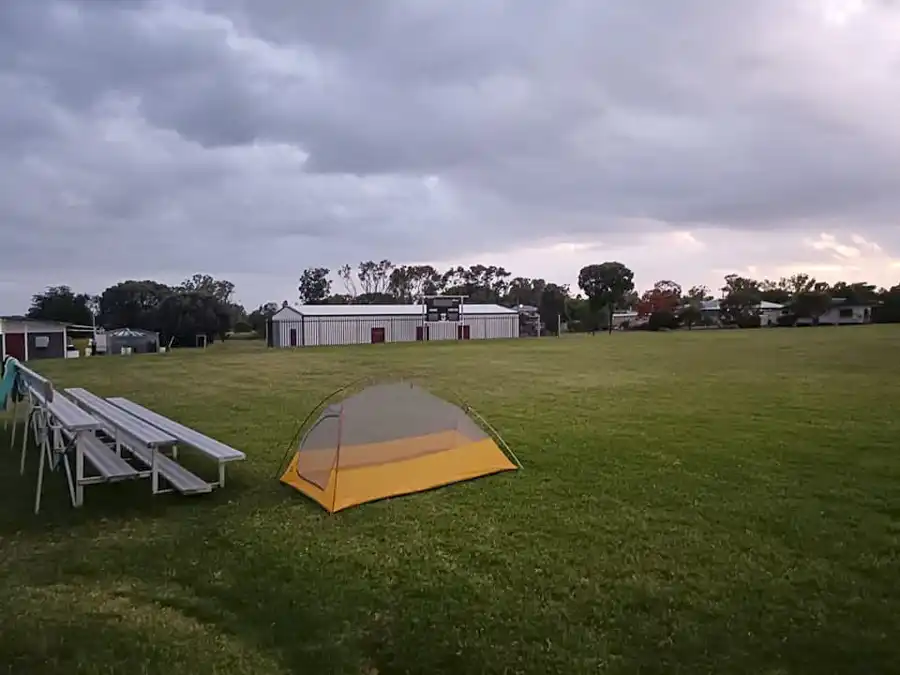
(142, 138)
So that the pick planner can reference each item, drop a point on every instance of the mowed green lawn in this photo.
(706, 502)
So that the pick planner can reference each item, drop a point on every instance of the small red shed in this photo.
(28, 339)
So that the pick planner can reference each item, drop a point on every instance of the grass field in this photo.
(708, 502)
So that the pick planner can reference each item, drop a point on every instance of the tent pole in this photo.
(470, 410)
(337, 458)
(496, 434)
(297, 436)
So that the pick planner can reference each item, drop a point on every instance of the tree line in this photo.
(603, 290)
(742, 299)
(200, 305)
(383, 283)
(203, 305)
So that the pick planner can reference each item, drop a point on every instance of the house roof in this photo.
(846, 303)
(713, 305)
(380, 310)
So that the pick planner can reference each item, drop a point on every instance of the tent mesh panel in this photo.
(382, 424)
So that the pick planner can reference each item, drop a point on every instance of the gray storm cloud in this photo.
(260, 137)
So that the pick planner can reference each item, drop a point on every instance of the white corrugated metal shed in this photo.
(320, 325)
(381, 310)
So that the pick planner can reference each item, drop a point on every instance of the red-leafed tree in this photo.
(665, 296)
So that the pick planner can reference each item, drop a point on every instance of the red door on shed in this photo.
(421, 333)
(293, 337)
(15, 345)
(463, 332)
(377, 335)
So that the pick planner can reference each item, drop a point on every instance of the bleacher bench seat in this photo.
(208, 446)
(104, 459)
(180, 478)
(120, 420)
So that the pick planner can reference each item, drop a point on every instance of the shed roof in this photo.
(130, 333)
(287, 313)
(44, 323)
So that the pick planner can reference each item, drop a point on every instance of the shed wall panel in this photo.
(14, 345)
(491, 327)
(442, 330)
(281, 335)
(55, 345)
(354, 330)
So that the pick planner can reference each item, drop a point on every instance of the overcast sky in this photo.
(249, 139)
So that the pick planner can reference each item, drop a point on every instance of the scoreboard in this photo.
(443, 308)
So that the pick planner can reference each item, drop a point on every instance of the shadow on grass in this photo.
(290, 589)
(295, 606)
(313, 611)
(112, 502)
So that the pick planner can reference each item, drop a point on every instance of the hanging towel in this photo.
(8, 383)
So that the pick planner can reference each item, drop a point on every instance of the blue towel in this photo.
(9, 381)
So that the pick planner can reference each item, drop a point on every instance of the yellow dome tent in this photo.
(388, 440)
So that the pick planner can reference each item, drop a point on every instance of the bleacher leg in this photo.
(40, 484)
(78, 497)
(57, 438)
(69, 482)
(221, 474)
(31, 421)
(59, 448)
(12, 441)
(154, 472)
